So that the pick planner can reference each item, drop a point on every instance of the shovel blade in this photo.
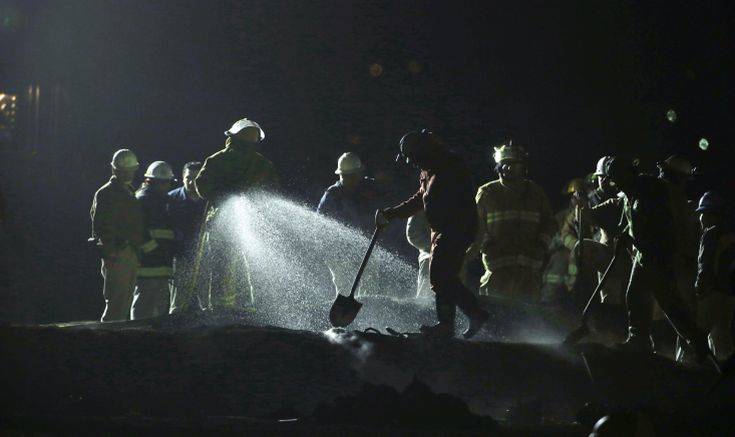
(344, 310)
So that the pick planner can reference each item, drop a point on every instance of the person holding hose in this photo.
(446, 195)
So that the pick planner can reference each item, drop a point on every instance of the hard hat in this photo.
(242, 124)
(413, 142)
(124, 159)
(509, 152)
(677, 164)
(576, 185)
(348, 163)
(159, 170)
(711, 202)
(600, 167)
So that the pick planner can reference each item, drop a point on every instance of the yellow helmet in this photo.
(509, 152)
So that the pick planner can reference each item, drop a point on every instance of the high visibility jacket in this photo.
(235, 169)
(516, 225)
(157, 252)
(117, 220)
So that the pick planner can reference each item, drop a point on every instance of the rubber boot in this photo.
(446, 313)
(477, 321)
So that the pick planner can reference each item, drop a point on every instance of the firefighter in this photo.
(559, 273)
(187, 213)
(352, 201)
(152, 291)
(715, 274)
(516, 226)
(675, 171)
(445, 196)
(597, 249)
(117, 230)
(236, 169)
(650, 230)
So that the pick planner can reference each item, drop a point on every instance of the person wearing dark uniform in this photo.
(446, 195)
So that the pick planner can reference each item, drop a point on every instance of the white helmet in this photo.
(348, 163)
(600, 167)
(159, 170)
(244, 123)
(124, 159)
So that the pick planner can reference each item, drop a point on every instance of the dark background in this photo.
(570, 80)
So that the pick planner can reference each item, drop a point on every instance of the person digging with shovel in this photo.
(446, 195)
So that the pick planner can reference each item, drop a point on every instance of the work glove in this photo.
(381, 220)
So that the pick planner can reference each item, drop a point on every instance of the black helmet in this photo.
(414, 143)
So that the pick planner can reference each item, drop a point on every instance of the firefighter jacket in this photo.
(157, 252)
(235, 169)
(117, 220)
(353, 208)
(516, 225)
(716, 262)
(445, 195)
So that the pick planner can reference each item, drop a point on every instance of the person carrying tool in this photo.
(649, 221)
(598, 247)
(516, 226)
(151, 298)
(352, 201)
(445, 196)
(237, 169)
(117, 231)
(186, 209)
(715, 284)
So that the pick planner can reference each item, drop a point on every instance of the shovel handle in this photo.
(603, 280)
(365, 259)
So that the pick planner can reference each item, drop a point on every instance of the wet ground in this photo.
(229, 374)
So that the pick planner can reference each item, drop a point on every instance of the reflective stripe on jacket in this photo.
(516, 225)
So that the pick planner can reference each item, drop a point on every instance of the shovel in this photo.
(583, 328)
(345, 308)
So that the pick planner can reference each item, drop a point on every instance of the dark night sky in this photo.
(571, 80)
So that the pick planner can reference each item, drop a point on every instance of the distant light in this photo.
(415, 67)
(376, 70)
(671, 115)
(703, 144)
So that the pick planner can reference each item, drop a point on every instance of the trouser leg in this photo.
(715, 317)
(184, 292)
(639, 302)
(151, 298)
(664, 291)
(119, 283)
(446, 262)
(423, 284)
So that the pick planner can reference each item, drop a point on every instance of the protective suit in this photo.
(445, 196)
(715, 284)
(354, 207)
(151, 298)
(117, 226)
(650, 225)
(236, 169)
(516, 226)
